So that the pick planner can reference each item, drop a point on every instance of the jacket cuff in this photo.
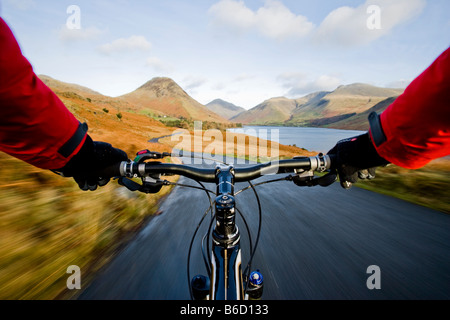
(68, 148)
(376, 130)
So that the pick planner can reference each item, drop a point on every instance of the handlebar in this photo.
(319, 163)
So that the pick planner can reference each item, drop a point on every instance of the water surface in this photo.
(312, 139)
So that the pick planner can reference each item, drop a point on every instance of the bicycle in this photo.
(225, 278)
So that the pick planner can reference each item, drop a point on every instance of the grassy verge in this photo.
(428, 186)
(48, 224)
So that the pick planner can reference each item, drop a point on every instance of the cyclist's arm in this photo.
(35, 126)
(417, 124)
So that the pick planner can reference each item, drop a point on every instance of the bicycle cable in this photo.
(169, 183)
(207, 257)
(247, 269)
(203, 158)
(211, 204)
(289, 177)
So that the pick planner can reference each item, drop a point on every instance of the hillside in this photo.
(224, 108)
(129, 132)
(272, 111)
(344, 108)
(365, 90)
(359, 120)
(163, 96)
(60, 86)
(335, 109)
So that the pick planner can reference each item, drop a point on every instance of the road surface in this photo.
(316, 243)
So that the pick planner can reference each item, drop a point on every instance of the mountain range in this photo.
(224, 108)
(346, 107)
(343, 108)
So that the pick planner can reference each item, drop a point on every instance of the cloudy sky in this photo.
(242, 51)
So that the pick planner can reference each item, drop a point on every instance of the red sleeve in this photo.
(35, 126)
(417, 124)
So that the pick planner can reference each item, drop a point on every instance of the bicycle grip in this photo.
(111, 171)
(333, 161)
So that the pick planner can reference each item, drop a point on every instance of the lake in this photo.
(312, 139)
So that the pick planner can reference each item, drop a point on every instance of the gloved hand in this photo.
(85, 166)
(355, 158)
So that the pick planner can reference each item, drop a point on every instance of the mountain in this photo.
(163, 96)
(332, 109)
(344, 102)
(362, 89)
(272, 111)
(224, 108)
(61, 86)
(131, 131)
(358, 121)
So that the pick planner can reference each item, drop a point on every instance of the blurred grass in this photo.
(428, 186)
(48, 224)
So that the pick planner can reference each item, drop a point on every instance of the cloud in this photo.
(273, 20)
(299, 84)
(22, 4)
(347, 26)
(193, 82)
(344, 26)
(242, 77)
(158, 65)
(133, 43)
(67, 35)
(399, 84)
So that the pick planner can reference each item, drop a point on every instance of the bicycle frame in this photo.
(226, 251)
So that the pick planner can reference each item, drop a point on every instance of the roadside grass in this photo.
(428, 186)
(48, 224)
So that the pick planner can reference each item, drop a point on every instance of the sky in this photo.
(241, 51)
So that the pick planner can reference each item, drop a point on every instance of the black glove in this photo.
(355, 158)
(85, 166)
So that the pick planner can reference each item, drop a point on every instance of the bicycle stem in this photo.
(225, 232)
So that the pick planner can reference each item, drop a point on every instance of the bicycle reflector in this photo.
(256, 278)
(255, 285)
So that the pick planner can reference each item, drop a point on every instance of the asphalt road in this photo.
(316, 243)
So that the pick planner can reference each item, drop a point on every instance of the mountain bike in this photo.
(221, 250)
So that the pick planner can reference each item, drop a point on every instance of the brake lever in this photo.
(146, 186)
(129, 184)
(309, 180)
(327, 179)
(150, 184)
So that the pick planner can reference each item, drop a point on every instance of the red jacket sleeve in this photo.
(35, 126)
(417, 124)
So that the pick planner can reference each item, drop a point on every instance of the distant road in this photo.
(316, 243)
